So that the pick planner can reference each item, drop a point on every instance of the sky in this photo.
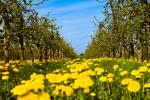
(76, 18)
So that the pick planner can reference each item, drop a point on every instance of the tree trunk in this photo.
(54, 55)
(41, 55)
(120, 53)
(58, 54)
(132, 49)
(6, 40)
(50, 54)
(31, 53)
(21, 48)
(114, 52)
(46, 54)
(149, 45)
(142, 47)
(6, 49)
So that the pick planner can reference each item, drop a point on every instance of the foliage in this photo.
(25, 35)
(124, 33)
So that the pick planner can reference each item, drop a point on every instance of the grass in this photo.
(83, 69)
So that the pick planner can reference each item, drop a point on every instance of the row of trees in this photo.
(125, 31)
(25, 35)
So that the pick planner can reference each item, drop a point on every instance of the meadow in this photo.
(78, 79)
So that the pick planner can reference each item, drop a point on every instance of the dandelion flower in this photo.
(5, 77)
(13, 66)
(43, 96)
(92, 94)
(68, 90)
(126, 81)
(7, 64)
(110, 80)
(115, 67)
(103, 79)
(110, 75)
(135, 72)
(99, 70)
(20, 90)
(148, 64)
(122, 73)
(134, 86)
(120, 69)
(15, 70)
(1, 67)
(143, 69)
(147, 85)
(29, 96)
(5, 73)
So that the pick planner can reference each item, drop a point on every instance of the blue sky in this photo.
(76, 18)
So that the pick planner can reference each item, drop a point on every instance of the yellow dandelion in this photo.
(110, 75)
(110, 80)
(126, 81)
(120, 69)
(134, 86)
(103, 79)
(147, 85)
(36, 85)
(20, 90)
(7, 64)
(15, 70)
(29, 96)
(135, 72)
(143, 69)
(83, 82)
(1, 67)
(68, 90)
(5, 73)
(54, 78)
(92, 94)
(43, 96)
(5, 77)
(55, 92)
(13, 66)
(139, 76)
(147, 64)
(122, 73)
(115, 67)
(99, 70)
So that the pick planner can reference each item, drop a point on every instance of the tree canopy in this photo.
(125, 31)
(25, 35)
